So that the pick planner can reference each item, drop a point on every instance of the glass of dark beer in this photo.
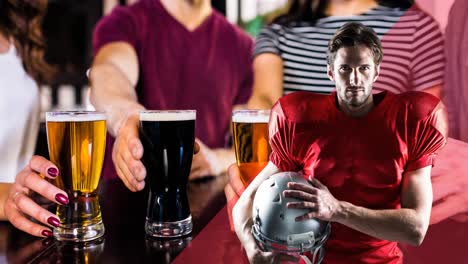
(168, 139)
(250, 136)
(76, 142)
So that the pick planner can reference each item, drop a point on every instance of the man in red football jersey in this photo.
(368, 157)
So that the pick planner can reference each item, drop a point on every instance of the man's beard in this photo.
(359, 101)
(193, 2)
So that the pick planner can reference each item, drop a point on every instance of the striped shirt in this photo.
(411, 40)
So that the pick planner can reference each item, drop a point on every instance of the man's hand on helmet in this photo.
(257, 256)
(316, 197)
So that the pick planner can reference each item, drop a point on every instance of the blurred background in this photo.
(69, 24)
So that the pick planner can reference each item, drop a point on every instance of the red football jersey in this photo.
(361, 160)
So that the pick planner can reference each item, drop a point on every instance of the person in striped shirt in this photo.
(290, 53)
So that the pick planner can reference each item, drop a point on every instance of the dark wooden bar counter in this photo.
(124, 240)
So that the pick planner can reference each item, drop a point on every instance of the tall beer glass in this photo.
(168, 139)
(250, 133)
(76, 143)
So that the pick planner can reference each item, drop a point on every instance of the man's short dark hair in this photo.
(353, 34)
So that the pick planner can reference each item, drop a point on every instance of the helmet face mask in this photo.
(274, 226)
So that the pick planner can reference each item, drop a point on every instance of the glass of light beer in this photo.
(250, 134)
(168, 139)
(76, 143)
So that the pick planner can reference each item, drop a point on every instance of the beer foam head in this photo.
(251, 116)
(168, 115)
(74, 116)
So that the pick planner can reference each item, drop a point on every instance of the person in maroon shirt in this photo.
(367, 157)
(166, 54)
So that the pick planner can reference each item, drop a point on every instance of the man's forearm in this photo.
(226, 157)
(243, 220)
(242, 212)
(401, 225)
(113, 93)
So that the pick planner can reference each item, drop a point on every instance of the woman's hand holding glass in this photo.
(20, 207)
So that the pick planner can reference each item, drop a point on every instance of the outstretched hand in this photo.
(205, 162)
(127, 153)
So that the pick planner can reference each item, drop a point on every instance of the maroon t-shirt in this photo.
(361, 160)
(208, 69)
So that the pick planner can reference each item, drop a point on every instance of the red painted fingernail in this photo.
(53, 172)
(53, 221)
(61, 198)
(46, 233)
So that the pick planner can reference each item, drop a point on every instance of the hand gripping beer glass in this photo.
(168, 138)
(76, 143)
(250, 133)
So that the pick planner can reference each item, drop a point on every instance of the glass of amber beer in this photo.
(250, 134)
(168, 139)
(76, 143)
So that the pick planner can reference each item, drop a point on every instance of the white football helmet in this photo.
(274, 226)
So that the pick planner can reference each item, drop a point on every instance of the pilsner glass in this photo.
(168, 138)
(76, 143)
(250, 135)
